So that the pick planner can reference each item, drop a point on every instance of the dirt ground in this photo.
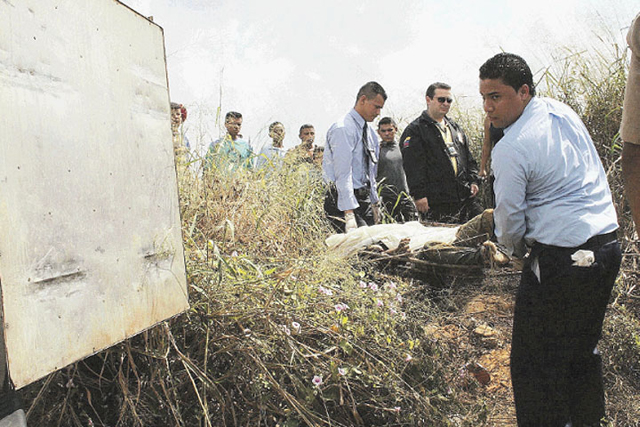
(476, 327)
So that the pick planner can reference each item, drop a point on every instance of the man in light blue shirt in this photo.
(231, 151)
(350, 163)
(552, 196)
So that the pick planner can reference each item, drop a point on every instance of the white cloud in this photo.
(313, 75)
(300, 62)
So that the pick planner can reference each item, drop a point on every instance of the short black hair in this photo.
(232, 115)
(387, 121)
(431, 90)
(511, 69)
(274, 124)
(371, 90)
(306, 126)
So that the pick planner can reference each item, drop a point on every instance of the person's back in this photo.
(553, 191)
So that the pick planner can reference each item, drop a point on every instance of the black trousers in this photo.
(556, 369)
(453, 213)
(399, 206)
(363, 213)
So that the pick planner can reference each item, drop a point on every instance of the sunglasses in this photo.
(442, 99)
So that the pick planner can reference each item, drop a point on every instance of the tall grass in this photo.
(281, 332)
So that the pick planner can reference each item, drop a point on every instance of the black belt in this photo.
(358, 192)
(592, 243)
(599, 240)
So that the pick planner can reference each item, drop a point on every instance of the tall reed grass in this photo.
(283, 333)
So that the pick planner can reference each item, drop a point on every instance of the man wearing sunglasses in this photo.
(441, 172)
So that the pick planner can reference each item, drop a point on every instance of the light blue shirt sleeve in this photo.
(345, 160)
(511, 203)
(342, 144)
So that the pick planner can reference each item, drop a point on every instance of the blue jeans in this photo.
(556, 369)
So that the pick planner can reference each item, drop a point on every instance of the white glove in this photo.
(350, 222)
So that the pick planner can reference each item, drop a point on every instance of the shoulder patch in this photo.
(405, 143)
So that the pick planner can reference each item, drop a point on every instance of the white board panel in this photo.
(90, 238)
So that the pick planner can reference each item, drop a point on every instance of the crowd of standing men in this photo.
(553, 208)
(432, 176)
(429, 173)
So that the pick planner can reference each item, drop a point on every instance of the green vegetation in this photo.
(280, 332)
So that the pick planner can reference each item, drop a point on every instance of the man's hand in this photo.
(350, 221)
(377, 213)
(422, 205)
(474, 190)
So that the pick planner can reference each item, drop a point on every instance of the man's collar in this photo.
(530, 105)
(228, 136)
(357, 117)
(425, 116)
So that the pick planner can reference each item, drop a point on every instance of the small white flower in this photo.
(340, 307)
(342, 371)
(296, 326)
(379, 303)
(363, 284)
(317, 380)
(373, 287)
(325, 291)
(408, 358)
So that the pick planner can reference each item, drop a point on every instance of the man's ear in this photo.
(524, 91)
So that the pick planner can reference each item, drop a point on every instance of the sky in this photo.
(303, 61)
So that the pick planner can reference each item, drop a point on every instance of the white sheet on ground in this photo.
(390, 235)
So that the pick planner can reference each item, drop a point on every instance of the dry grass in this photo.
(271, 310)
